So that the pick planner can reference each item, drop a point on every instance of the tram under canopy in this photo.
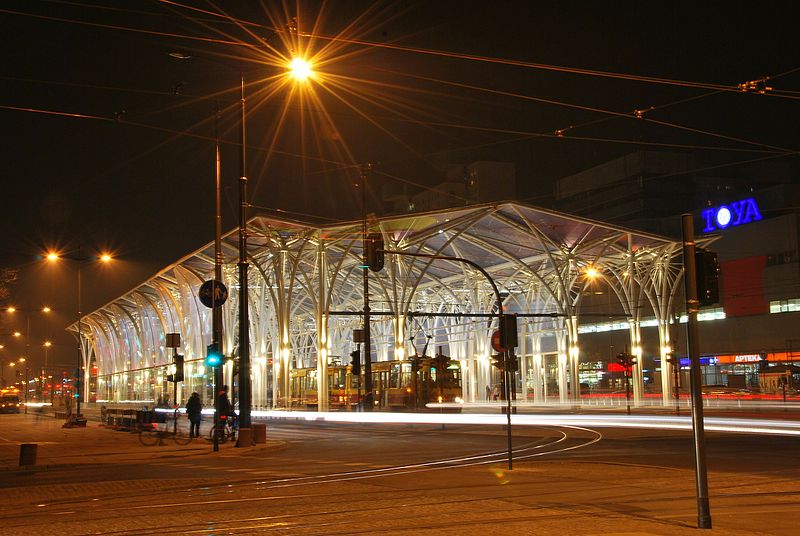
(306, 297)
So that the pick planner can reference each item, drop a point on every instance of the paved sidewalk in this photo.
(95, 444)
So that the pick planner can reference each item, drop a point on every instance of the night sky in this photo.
(108, 141)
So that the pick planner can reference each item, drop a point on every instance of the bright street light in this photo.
(300, 69)
(81, 379)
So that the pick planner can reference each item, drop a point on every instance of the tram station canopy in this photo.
(306, 297)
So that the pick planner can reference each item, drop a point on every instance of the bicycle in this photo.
(230, 425)
(151, 434)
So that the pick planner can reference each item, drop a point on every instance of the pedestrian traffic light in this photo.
(374, 247)
(178, 368)
(355, 356)
(499, 361)
(707, 272)
(508, 331)
(213, 355)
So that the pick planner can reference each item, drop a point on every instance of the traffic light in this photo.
(673, 359)
(508, 331)
(512, 363)
(627, 361)
(707, 271)
(374, 247)
(213, 355)
(179, 368)
(499, 361)
(355, 356)
(178, 376)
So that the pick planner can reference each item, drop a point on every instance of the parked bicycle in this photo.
(230, 425)
(151, 434)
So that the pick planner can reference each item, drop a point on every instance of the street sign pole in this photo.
(213, 294)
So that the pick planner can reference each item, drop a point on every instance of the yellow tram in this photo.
(405, 385)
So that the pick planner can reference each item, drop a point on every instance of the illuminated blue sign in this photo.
(736, 213)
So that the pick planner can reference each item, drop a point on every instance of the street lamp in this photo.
(105, 258)
(300, 70)
(13, 310)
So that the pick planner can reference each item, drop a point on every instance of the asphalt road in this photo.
(315, 478)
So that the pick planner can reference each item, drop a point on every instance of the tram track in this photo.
(63, 510)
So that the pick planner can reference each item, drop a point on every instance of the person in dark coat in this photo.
(194, 410)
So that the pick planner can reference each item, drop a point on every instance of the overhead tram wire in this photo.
(490, 59)
(413, 183)
(627, 115)
(418, 50)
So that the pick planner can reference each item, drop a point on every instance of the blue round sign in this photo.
(213, 293)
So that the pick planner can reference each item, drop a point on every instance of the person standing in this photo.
(194, 410)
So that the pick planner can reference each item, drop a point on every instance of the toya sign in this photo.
(731, 215)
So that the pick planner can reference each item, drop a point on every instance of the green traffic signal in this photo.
(213, 355)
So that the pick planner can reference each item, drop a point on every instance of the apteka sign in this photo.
(731, 215)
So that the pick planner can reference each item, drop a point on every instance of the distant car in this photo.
(9, 404)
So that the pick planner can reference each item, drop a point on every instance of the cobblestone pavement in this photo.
(359, 479)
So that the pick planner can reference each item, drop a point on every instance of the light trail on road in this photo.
(651, 422)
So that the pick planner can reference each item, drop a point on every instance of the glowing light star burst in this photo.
(300, 69)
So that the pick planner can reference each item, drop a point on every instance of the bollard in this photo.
(260, 432)
(27, 453)
(245, 437)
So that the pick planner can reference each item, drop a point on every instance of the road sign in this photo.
(213, 293)
(496, 344)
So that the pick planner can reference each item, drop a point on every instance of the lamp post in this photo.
(80, 378)
(12, 310)
(245, 398)
(300, 70)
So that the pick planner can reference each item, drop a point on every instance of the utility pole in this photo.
(368, 401)
(695, 384)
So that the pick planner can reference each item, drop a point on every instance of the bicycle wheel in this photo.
(150, 437)
(181, 437)
(222, 436)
